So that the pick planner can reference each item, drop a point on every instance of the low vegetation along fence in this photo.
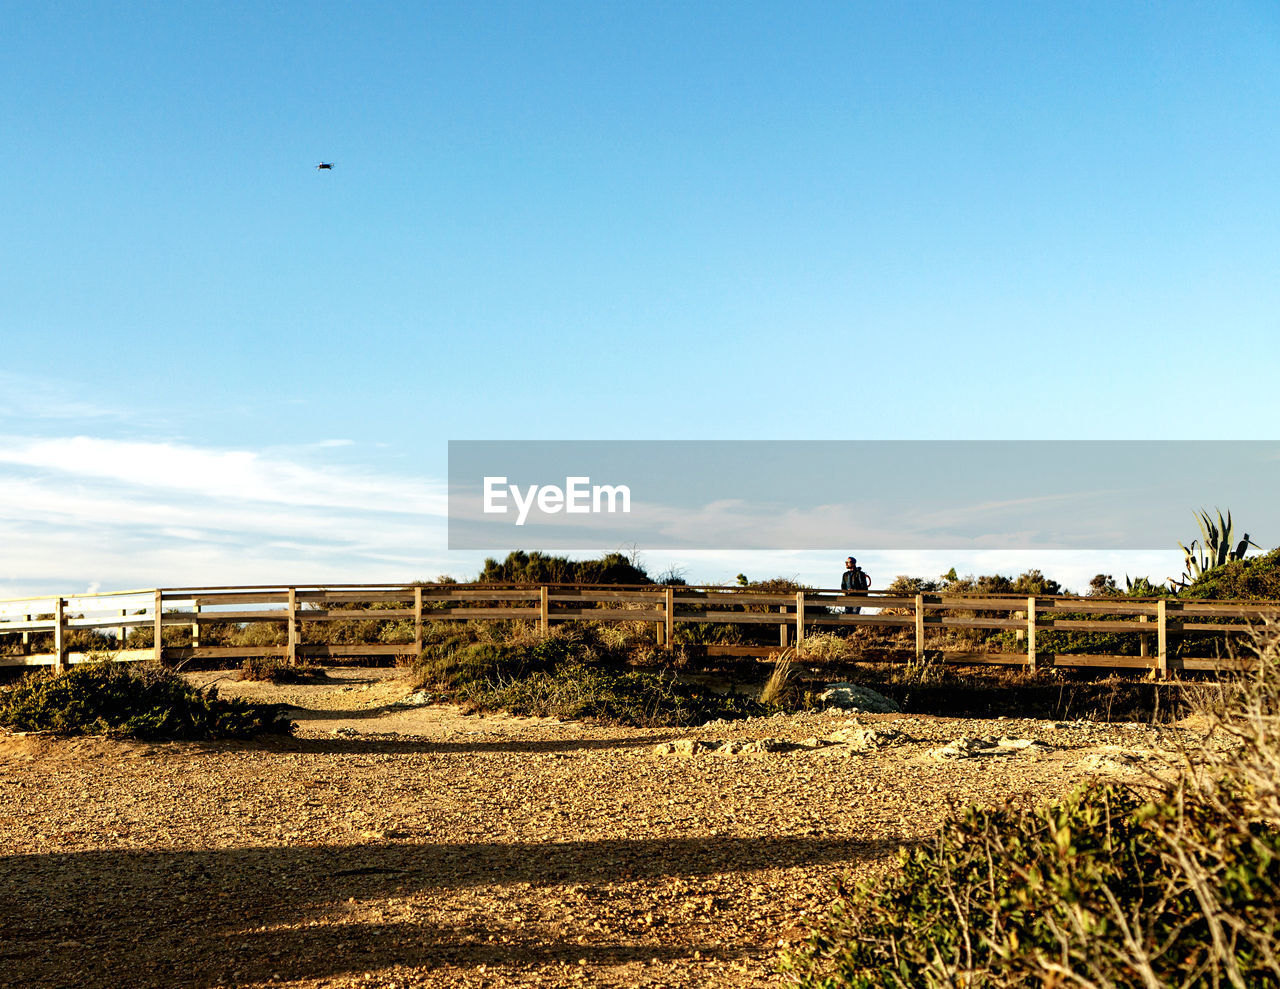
(176, 624)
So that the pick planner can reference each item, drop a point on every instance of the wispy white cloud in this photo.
(240, 475)
(82, 509)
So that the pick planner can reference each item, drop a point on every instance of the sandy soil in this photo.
(392, 846)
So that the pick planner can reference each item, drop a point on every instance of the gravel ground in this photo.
(394, 846)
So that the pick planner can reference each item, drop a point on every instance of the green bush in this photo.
(539, 568)
(459, 656)
(630, 698)
(1115, 887)
(275, 670)
(715, 634)
(107, 699)
(1029, 583)
(454, 664)
(579, 670)
(1254, 579)
(1090, 885)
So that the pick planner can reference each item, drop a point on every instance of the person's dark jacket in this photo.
(849, 581)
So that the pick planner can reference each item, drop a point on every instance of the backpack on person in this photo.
(861, 580)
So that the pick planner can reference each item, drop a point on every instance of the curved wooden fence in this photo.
(40, 631)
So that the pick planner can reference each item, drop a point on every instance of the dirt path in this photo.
(415, 846)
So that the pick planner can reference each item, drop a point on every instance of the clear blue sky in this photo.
(571, 221)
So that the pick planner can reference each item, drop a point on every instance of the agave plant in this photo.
(1140, 587)
(1212, 550)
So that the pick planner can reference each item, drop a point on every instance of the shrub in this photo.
(459, 661)
(459, 655)
(1256, 578)
(107, 699)
(825, 647)
(631, 698)
(1116, 886)
(1029, 583)
(454, 665)
(539, 568)
(906, 586)
(1089, 887)
(276, 670)
(710, 634)
(1103, 585)
(921, 671)
(578, 670)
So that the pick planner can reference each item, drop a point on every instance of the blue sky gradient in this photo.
(587, 221)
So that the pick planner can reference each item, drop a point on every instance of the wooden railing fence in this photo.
(795, 614)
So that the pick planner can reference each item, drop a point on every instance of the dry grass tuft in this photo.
(776, 685)
(824, 647)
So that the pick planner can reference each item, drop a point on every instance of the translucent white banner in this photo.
(784, 495)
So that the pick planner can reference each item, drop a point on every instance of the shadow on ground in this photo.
(408, 744)
(304, 714)
(195, 918)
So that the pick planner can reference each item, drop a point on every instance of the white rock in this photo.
(419, 698)
(851, 697)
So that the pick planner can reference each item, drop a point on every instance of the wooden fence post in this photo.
(26, 638)
(799, 617)
(124, 629)
(1162, 640)
(784, 634)
(291, 655)
(59, 634)
(919, 626)
(1031, 634)
(670, 604)
(157, 615)
(544, 610)
(195, 627)
(417, 620)
(1144, 640)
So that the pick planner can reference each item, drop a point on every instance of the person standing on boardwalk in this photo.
(854, 579)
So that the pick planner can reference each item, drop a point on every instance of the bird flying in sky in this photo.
(325, 164)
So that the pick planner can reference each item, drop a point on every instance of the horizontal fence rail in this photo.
(42, 630)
